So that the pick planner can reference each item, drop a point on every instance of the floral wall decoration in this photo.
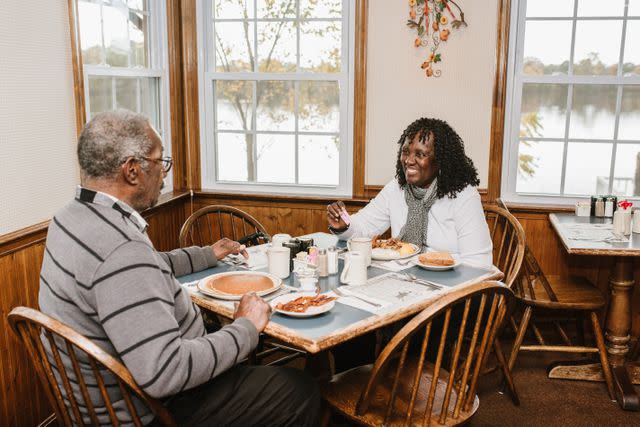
(433, 21)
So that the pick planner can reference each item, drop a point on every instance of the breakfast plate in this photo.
(304, 306)
(406, 250)
(437, 261)
(231, 285)
(432, 267)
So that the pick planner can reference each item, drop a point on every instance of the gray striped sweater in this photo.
(102, 276)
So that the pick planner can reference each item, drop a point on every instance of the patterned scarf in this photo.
(419, 202)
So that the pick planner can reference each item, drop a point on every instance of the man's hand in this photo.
(255, 309)
(224, 247)
(333, 216)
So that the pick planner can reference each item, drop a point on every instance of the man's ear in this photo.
(131, 171)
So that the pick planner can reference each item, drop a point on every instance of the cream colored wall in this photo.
(398, 92)
(38, 172)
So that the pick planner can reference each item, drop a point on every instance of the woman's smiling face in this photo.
(418, 161)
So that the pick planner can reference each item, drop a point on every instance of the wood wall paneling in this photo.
(22, 400)
(279, 214)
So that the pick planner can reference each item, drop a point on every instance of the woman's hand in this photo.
(224, 247)
(336, 222)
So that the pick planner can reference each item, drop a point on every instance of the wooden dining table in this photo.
(349, 318)
(590, 236)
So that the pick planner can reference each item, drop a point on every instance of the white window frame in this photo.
(158, 67)
(208, 146)
(515, 81)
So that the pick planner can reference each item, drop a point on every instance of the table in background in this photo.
(618, 324)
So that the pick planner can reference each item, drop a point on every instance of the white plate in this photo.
(380, 254)
(311, 311)
(438, 267)
(213, 293)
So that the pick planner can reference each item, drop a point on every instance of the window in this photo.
(276, 95)
(124, 59)
(573, 121)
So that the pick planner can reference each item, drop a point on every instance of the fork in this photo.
(342, 294)
(429, 283)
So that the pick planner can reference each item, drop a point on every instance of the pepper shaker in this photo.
(332, 256)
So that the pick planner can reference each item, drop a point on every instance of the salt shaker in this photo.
(322, 262)
(599, 207)
(332, 256)
(636, 221)
(609, 206)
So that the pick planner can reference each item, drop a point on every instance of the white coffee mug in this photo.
(362, 245)
(279, 258)
(355, 269)
(279, 239)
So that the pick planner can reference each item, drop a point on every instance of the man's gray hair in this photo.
(109, 139)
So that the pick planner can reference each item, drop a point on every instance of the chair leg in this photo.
(519, 337)
(563, 334)
(602, 350)
(497, 349)
(580, 328)
(325, 417)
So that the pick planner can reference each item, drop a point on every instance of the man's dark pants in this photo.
(250, 396)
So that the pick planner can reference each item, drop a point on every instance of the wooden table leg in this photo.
(617, 330)
(320, 366)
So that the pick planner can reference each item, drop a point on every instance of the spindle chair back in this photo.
(435, 384)
(211, 223)
(50, 343)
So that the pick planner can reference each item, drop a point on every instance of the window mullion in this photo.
(114, 104)
(255, 37)
(614, 147)
(104, 49)
(615, 137)
(139, 95)
(565, 148)
(623, 41)
(296, 98)
(253, 131)
(129, 53)
(573, 38)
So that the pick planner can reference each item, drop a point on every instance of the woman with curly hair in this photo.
(433, 201)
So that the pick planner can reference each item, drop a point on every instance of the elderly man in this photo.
(102, 276)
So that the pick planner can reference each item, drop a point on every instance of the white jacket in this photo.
(455, 225)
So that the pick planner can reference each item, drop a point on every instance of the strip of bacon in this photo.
(301, 304)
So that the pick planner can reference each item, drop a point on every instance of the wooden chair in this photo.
(569, 294)
(405, 387)
(211, 223)
(508, 240)
(33, 327)
(509, 243)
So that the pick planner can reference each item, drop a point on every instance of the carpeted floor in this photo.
(547, 402)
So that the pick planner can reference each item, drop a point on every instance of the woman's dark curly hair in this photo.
(456, 170)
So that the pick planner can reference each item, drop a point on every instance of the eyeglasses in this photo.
(167, 162)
